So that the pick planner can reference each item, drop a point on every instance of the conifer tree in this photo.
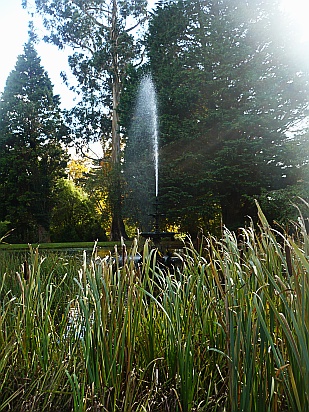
(229, 92)
(31, 154)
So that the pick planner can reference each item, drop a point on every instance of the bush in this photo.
(74, 217)
(4, 229)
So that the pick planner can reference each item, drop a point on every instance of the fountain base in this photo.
(157, 235)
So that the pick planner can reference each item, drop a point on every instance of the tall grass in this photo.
(226, 331)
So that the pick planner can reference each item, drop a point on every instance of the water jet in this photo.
(142, 164)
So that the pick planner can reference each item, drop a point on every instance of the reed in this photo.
(225, 331)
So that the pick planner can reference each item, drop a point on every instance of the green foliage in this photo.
(74, 217)
(101, 32)
(279, 205)
(229, 90)
(4, 230)
(4, 227)
(226, 330)
(31, 156)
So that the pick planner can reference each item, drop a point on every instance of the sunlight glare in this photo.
(298, 10)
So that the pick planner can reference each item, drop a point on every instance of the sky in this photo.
(14, 33)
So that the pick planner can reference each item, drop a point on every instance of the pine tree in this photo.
(31, 155)
(228, 94)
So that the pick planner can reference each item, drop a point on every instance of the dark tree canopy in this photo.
(31, 155)
(229, 92)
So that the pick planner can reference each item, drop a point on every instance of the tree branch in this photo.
(86, 11)
(137, 24)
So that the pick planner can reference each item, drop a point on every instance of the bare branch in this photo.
(137, 24)
(77, 43)
(141, 60)
(81, 147)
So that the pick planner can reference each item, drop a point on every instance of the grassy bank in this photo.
(82, 245)
(48, 246)
(228, 331)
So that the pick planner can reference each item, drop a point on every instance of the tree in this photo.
(91, 178)
(31, 155)
(228, 93)
(106, 46)
(74, 217)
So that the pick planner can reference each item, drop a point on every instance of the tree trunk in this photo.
(231, 210)
(43, 234)
(236, 211)
(117, 227)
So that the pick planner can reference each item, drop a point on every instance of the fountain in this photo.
(157, 235)
(143, 164)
